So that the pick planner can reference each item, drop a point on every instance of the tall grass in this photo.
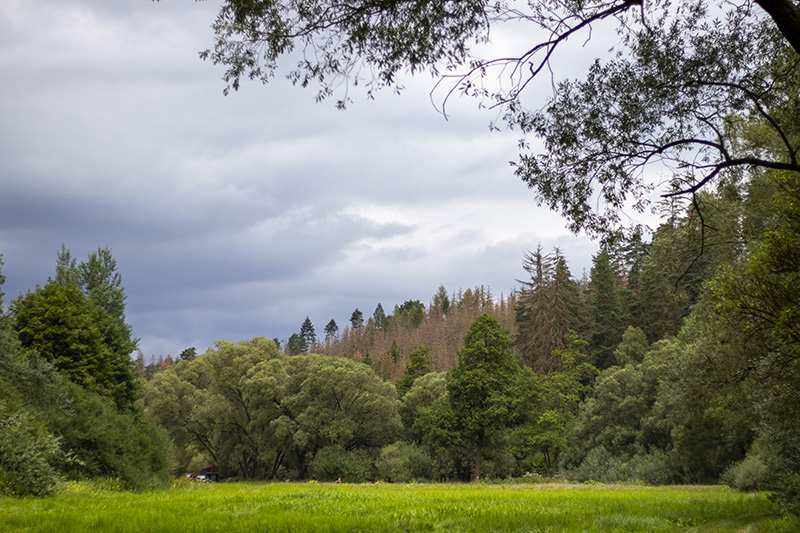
(384, 507)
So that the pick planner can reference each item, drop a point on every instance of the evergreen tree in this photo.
(606, 332)
(441, 301)
(379, 316)
(296, 344)
(549, 306)
(421, 364)
(331, 330)
(307, 332)
(480, 388)
(357, 320)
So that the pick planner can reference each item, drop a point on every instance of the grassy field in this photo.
(382, 507)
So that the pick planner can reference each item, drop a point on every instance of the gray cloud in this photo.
(239, 216)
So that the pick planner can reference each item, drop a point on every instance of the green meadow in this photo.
(394, 507)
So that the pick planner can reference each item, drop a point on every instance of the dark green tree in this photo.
(421, 364)
(609, 324)
(441, 301)
(188, 354)
(357, 320)
(296, 344)
(331, 330)
(480, 387)
(307, 332)
(60, 323)
(412, 312)
(379, 316)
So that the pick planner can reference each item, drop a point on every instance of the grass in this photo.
(384, 507)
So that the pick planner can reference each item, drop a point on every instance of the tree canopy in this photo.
(672, 98)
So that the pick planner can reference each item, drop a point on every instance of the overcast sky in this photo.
(238, 216)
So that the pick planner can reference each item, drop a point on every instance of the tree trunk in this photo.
(786, 15)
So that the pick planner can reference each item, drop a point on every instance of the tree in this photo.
(421, 364)
(548, 307)
(97, 277)
(379, 316)
(682, 79)
(479, 388)
(307, 332)
(609, 323)
(296, 344)
(411, 312)
(357, 320)
(441, 301)
(331, 330)
(60, 323)
(188, 354)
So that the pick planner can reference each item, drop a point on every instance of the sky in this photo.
(237, 216)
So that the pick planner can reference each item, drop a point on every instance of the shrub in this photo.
(28, 455)
(402, 462)
(751, 473)
(334, 462)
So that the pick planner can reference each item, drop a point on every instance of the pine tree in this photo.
(331, 330)
(606, 332)
(307, 332)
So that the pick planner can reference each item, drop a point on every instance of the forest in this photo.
(675, 360)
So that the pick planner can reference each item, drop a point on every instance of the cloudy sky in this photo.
(238, 216)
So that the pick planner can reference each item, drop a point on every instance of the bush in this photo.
(28, 456)
(751, 473)
(654, 467)
(111, 444)
(402, 462)
(334, 462)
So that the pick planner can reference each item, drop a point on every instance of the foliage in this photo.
(548, 307)
(331, 330)
(29, 454)
(77, 322)
(308, 333)
(421, 364)
(608, 326)
(402, 462)
(259, 414)
(681, 78)
(480, 387)
(296, 344)
(334, 463)
(55, 429)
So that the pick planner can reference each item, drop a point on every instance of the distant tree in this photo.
(609, 323)
(421, 364)
(412, 311)
(548, 307)
(441, 301)
(307, 332)
(188, 354)
(357, 320)
(379, 316)
(296, 344)
(394, 352)
(140, 366)
(331, 330)
(480, 387)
